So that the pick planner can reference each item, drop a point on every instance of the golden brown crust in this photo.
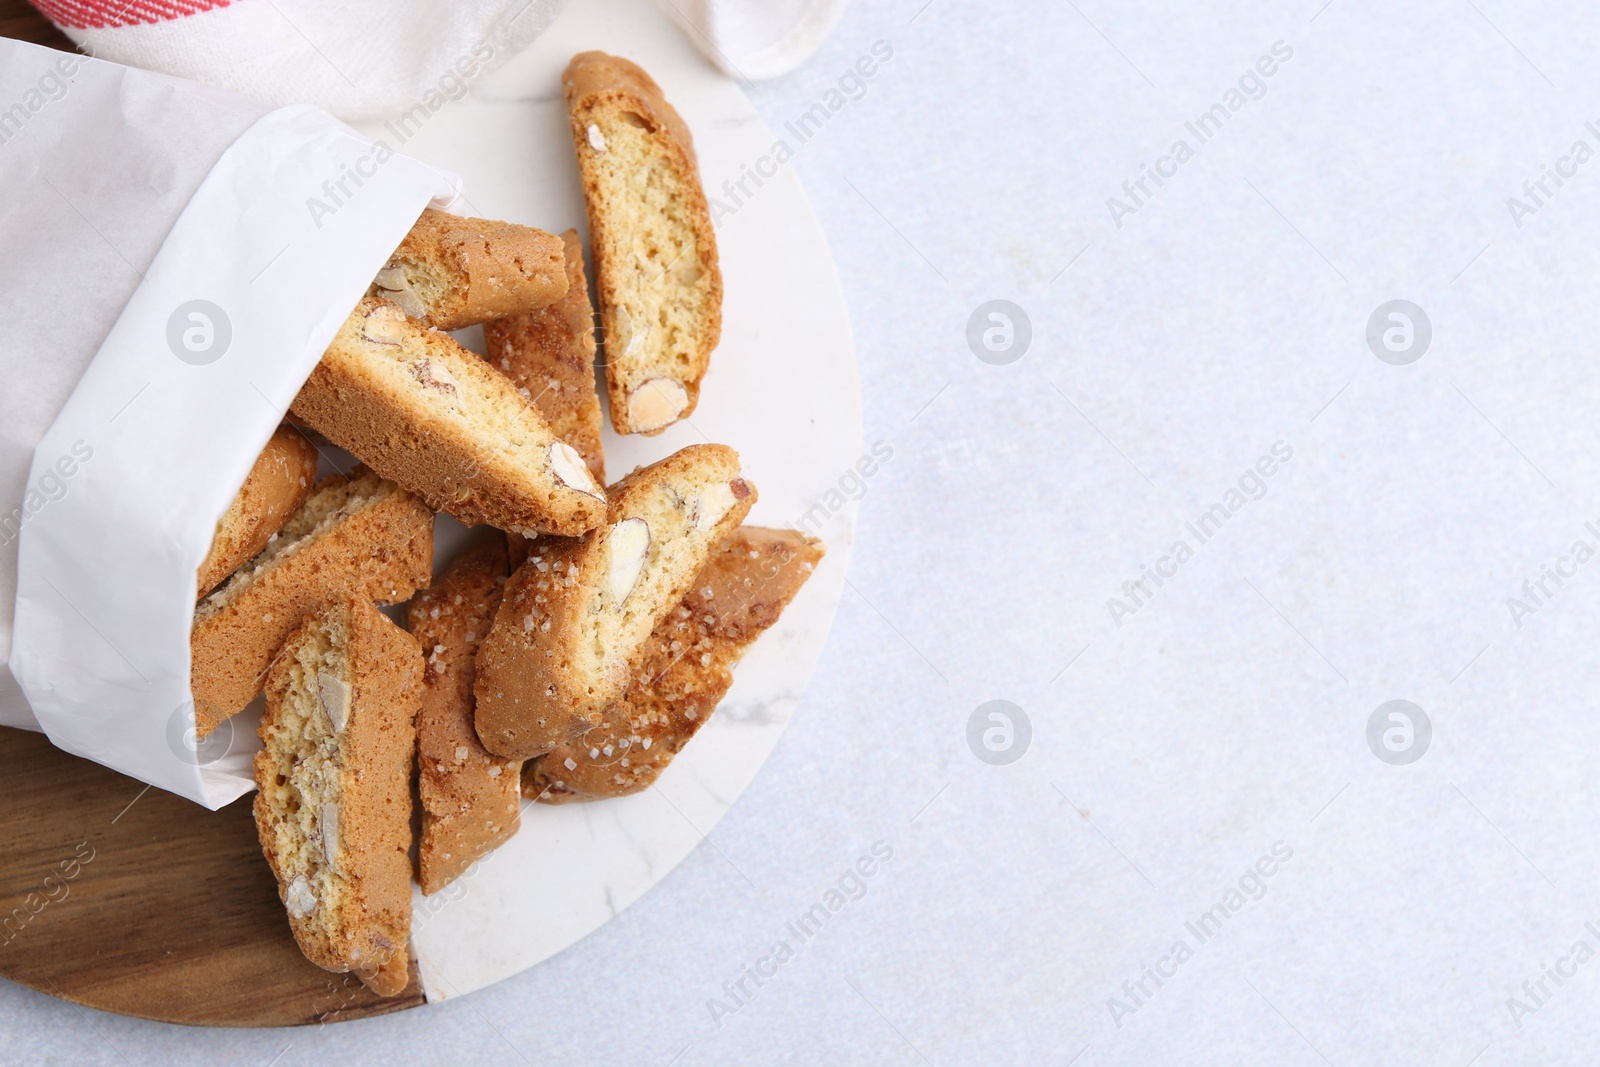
(276, 486)
(451, 272)
(593, 76)
(563, 645)
(420, 409)
(549, 356)
(469, 797)
(513, 676)
(686, 670)
(381, 549)
(359, 919)
(651, 238)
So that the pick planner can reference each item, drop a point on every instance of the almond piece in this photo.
(384, 325)
(711, 504)
(572, 470)
(629, 544)
(328, 820)
(396, 289)
(333, 693)
(656, 404)
(432, 375)
(299, 900)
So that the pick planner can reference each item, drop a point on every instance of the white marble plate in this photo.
(782, 389)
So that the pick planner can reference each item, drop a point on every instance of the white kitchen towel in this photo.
(759, 39)
(378, 58)
(201, 335)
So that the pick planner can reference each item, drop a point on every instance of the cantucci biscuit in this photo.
(655, 256)
(469, 797)
(451, 272)
(363, 536)
(686, 670)
(276, 486)
(333, 809)
(577, 615)
(420, 409)
(549, 356)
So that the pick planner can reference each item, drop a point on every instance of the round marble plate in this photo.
(782, 390)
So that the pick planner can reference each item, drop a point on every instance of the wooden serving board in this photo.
(126, 898)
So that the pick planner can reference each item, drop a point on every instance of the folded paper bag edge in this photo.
(84, 600)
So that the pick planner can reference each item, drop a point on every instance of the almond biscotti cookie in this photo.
(276, 486)
(334, 774)
(469, 797)
(655, 256)
(451, 272)
(549, 356)
(418, 408)
(686, 671)
(362, 536)
(575, 618)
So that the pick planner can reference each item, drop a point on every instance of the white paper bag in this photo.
(175, 262)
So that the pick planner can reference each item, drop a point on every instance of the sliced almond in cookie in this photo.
(451, 272)
(655, 256)
(656, 404)
(362, 535)
(685, 672)
(417, 407)
(577, 616)
(333, 809)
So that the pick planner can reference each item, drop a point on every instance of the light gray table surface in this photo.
(1215, 726)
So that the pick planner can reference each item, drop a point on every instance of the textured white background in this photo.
(1230, 713)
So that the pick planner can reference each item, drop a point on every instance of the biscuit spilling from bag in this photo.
(469, 797)
(362, 536)
(334, 807)
(613, 638)
(451, 272)
(418, 408)
(278, 483)
(576, 617)
(655, 256)
(686, 670)
(549, 356)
